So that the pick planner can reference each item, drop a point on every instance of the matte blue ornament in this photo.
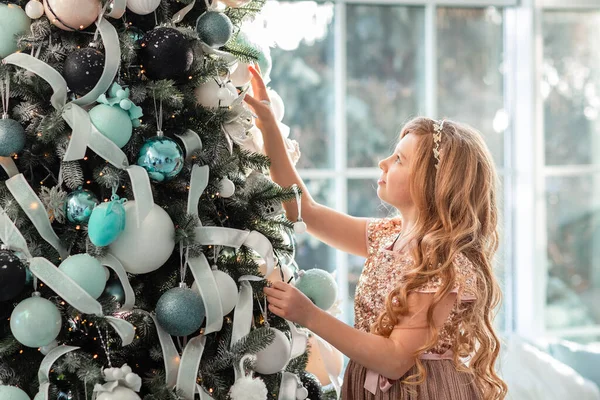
(115, 289)
(12, 137)
(162, 157)
(13, 21)
(113, 122)
(87, 272)
(35, 322)
(107, 222)
(12, 393)
(79, 205)
(319, 286)
(180, 311)
(214, 28)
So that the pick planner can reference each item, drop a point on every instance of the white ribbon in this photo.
(198, 182)
(46, 366)
(188, 370)
(118, 9)
(191, 142)
(328, 355)
(9, 166)
(288, 386)
(180, 15)
(113, 263)
(209, 291)
(35, 210)
(170, 354)
(142, 192)
(242, 317)
(289, 381)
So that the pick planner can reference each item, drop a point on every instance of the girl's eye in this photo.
(398, 160)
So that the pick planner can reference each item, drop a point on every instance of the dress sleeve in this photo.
(379, 231)
(466, 280)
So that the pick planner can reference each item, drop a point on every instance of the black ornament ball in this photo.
(13, 275)
(166, 54)
(312, 385)
(83, 69)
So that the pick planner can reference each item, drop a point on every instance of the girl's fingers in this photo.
(258, 85)
(252, 101)
(276, 310)
(276, 302)
(276, 294)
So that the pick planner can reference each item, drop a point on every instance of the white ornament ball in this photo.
(211, 95)
(72, 15)
(241, 76)
(226, 188)
(13, 393)
(142, 7)
(248, 388)
(119, 393)
(276, 104)
(34, 9)
(274, 357)
(300, 227)
(275, 276)
(316, 365)
(228, 291)
(145, 248)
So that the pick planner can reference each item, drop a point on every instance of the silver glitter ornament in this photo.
(214, 28)
(12, 137)
(180, 311)
(79, 205)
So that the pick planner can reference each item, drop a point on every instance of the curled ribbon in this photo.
(118, 9)
(190, 363)
(9, 166)
(113, 263)
(191, 142)
(209, 291)
(180, 15)
(289, 382)
(46, 365)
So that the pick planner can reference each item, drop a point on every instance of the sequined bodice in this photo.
(384, 270)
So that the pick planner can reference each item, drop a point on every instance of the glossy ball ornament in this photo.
(79, 205)
(13, 21)
(226, 188)
(214, 28)
(275, 356)
(162, 157)
(83, 69)
(87, 272)
(115, 289)
(312, 385)
(113, 122)
(145, 248)
(34, 9)
(143, 7)
(35, 322)
(13, 275)
(180, 311)
(212, 94)
(135, 33)
(319, 286)
(72, 15)
(106, 223)
(166, 54)
(12, 393)
(12, 137)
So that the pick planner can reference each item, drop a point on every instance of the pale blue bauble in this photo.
(13, 21)
(319, 286)
(180, 311)
(12, 393)
(79, 205)
(106, 223)
(214, 28)
(87, 272)
(35, 322)
(162, 157)
(12, 137)
(113, 122)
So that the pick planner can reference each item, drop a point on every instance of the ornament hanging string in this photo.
(5, 95)
(104, 345)
(159, 115)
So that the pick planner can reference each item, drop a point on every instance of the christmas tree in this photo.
(137, 218)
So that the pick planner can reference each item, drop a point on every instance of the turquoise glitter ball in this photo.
(12, 137)
(214, 28)
(180, 311)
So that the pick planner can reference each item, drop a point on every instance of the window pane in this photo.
(570, 82)
(312, 253)
(573, 218)
(303, 74)
(385, 74)
(470, 79)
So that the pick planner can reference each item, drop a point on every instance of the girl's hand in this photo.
(260, 103)
(289, 303)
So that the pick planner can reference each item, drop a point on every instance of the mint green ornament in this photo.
(87, 272)
(319, 286)
(107, 222)
(113, 122)
(35, 322)
(13, 21)
(12, 393)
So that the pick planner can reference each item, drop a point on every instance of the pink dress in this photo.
(382, 272)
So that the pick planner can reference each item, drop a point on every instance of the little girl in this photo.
(426, 297)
